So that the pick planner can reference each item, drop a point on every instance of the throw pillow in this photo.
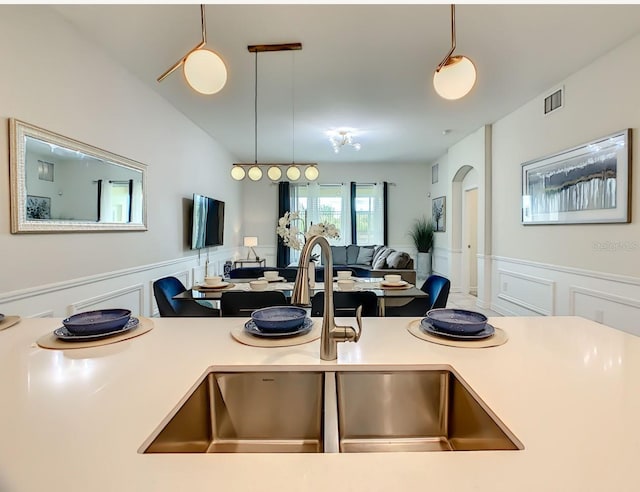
(398, 259)
(381, 261)
(339, 254)
(352, 254)
(377, 250)
(365, 255)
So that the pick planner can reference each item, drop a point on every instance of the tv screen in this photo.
(207, 222)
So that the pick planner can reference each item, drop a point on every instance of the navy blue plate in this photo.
(432, 330)
(251, 328)
(97, 322)
(279, 318)
(63, 334)
(457, 321)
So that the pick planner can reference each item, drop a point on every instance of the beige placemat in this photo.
(498, 338)
(50, 341)
(8, 321)
(247, 339)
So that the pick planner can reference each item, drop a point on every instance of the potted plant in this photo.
(422, 234)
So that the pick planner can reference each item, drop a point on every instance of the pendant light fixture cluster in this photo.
(204, 70)
(456, 75)
(253, 170)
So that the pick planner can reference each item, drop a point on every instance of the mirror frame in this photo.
(18, 131)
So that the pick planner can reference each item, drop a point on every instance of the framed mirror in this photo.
(61, 185)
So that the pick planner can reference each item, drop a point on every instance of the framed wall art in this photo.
(38, 207)
(439, 213)
(585, 184)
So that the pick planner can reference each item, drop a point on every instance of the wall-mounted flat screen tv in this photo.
(207, 222)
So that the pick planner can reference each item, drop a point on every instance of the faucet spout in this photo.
(331, 334)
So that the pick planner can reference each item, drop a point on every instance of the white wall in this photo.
(56, 79)
(562, 269)
(407, 200)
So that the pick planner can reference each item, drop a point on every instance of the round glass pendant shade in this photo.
(311, 173)
(293, 173)
(274, 173)
(254, 173)
(237, 173)
(205, 71)
(456, 78)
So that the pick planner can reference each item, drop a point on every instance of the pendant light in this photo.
(253, 171)
(456, 75)
(204, 70)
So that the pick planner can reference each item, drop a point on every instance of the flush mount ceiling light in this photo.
(254, 170)
(342, 137)
(204, 70)
(456, 75)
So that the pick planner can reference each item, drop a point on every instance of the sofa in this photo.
(374, 261)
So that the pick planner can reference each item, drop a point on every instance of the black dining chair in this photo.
(165, 288)
(438, 289)
(242, 304)
(346, 303)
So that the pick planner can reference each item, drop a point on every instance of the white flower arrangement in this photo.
(293, 237)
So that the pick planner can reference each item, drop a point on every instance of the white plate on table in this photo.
(277, 279)
(221, 285)
(395, 285)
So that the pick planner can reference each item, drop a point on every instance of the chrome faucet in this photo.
(331, 333)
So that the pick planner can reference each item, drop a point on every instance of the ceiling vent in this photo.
(554, 101)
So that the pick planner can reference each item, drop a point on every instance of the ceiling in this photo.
(363, 66)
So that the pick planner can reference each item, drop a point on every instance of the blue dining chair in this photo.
(438, 289)
(165, 288)
(346, 303)
(242, 304)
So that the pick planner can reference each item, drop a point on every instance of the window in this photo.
(364, 225)
(368, 215)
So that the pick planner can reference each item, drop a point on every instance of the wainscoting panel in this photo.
(533, 294)
(605, 308)
(525, 288)
(440, 261)
(130, 288)
(129, 298)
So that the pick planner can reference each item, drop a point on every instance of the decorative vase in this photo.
(423, 265)
(312, 274)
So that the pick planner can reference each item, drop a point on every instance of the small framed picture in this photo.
(38, 207)
(434, 174)
(439, 213)
(45, 170)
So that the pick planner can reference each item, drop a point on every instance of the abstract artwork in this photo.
(585, 184)
(38, 207)
(439, 213)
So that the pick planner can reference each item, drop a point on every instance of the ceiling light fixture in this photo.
(203, 69)
(254, 170)
(456, 75)
(342, 137)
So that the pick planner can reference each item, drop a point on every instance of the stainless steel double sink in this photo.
(317, 411)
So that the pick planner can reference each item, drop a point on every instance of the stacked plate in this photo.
(93, 325)
(457, 324)
(278, 322)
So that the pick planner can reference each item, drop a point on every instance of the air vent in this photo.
(554, 101)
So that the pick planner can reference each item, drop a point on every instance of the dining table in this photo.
(387, 296)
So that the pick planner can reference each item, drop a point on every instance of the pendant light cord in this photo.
(255, 113)
(293, 109)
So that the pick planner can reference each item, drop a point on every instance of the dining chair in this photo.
(165, 288)
(346, 303)
(242, 304)
(438, 289)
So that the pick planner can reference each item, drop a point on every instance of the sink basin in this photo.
(426, 410)
(319, 411)
(247, 412)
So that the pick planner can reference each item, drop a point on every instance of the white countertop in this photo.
(74, 420)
